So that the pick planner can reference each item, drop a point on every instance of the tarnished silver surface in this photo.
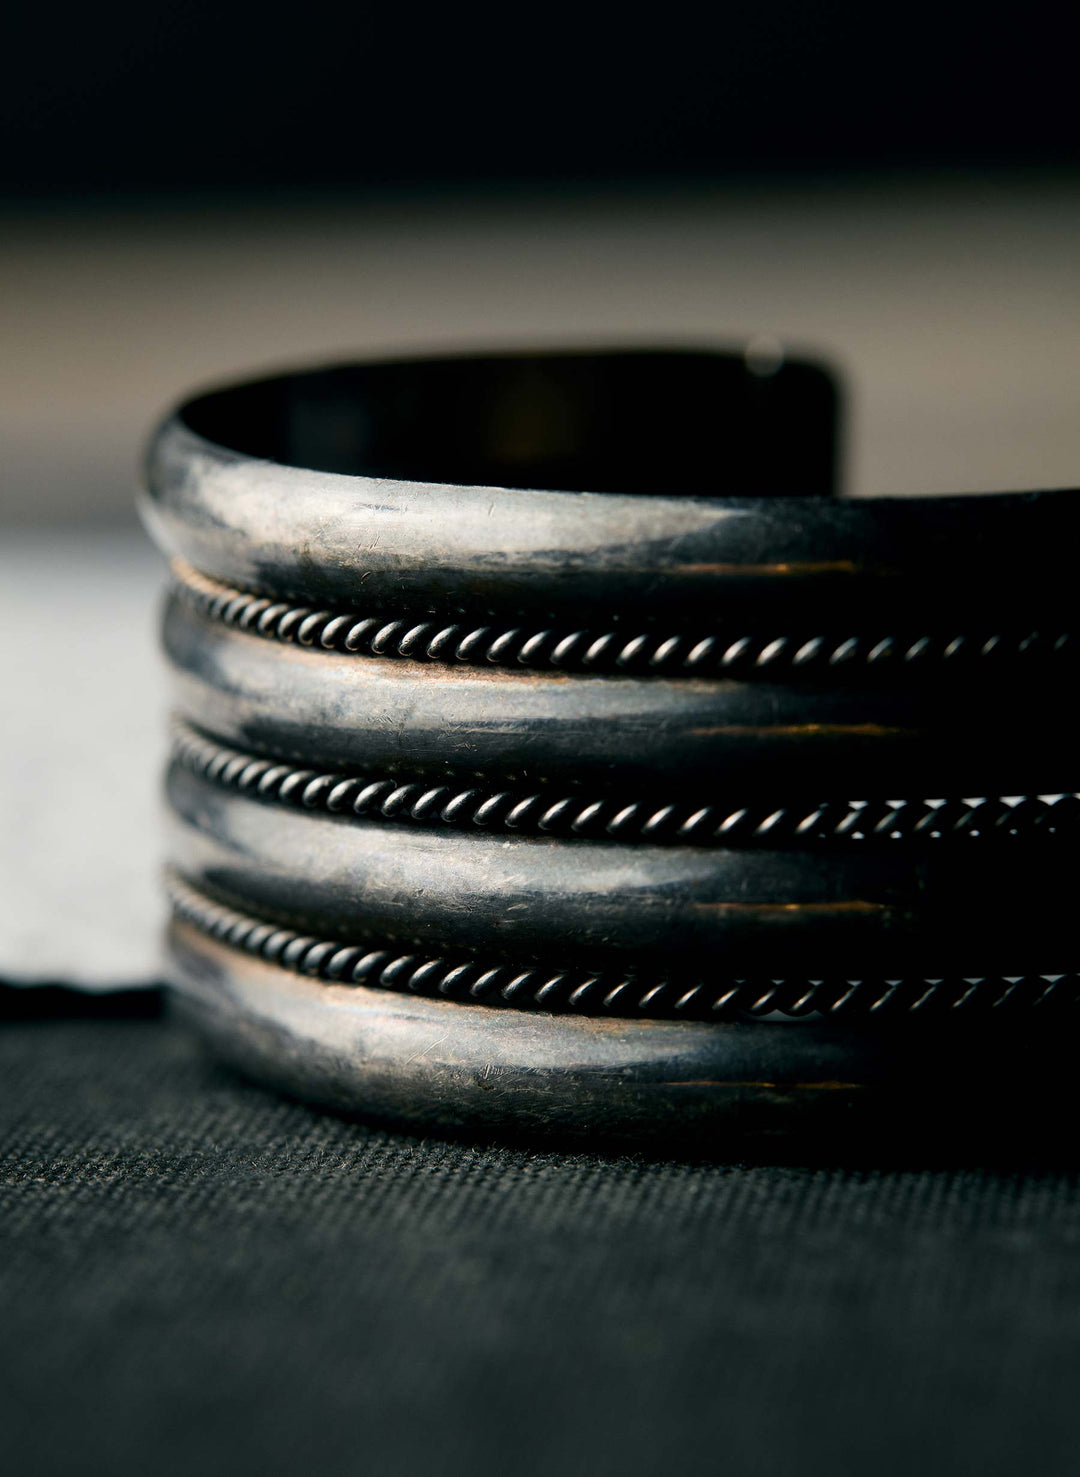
(436, 1064)
(330, 708)
(703, 819)
(426, 483)
(883, 909)
(522, 984)
(439, 1066)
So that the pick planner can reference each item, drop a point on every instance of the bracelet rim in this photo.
(336, 537)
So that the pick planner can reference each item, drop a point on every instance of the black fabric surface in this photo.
(197, 1276)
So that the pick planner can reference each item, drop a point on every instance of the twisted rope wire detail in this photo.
(621, 819)
(472, 981)
(589, 650)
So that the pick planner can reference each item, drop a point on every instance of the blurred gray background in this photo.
(951, 302)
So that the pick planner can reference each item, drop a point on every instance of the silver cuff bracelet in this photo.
(555, 750)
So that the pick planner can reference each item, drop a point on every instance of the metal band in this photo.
(493, 982)
(702, 821)
(434, 1065)
(421, 486)
(880, 909)
(906, 736)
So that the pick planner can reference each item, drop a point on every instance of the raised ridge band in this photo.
(640, 652)
(881, 909)
(328, 709)
(702, 821)
(496, 983)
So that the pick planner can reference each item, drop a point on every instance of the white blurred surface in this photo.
(82, 707)
(952, 307)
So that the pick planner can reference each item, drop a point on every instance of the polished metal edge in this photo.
(597, 651)
(472, 981)
(433, 1064)
(696, 821)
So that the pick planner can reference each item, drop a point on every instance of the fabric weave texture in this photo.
(199, 1276)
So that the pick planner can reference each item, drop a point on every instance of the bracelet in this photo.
(554, 751)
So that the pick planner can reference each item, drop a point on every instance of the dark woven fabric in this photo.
(199, 1277)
